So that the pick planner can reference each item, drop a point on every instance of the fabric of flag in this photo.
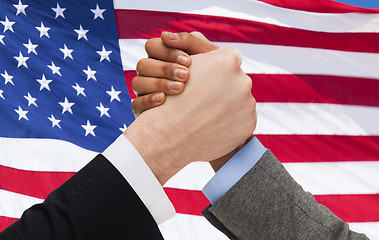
(63, 95)
(315, 78)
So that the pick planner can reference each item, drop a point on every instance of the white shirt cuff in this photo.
(137, 173)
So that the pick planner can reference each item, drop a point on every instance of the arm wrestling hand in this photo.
(160, 73)
(215, 114)
(168, 50)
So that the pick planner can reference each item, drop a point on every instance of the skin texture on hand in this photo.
(215, 114)
(157, 74)
(168, 50)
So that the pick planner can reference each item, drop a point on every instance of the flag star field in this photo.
(61, 73)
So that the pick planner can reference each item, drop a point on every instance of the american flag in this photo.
(63, 95)
(315, 77)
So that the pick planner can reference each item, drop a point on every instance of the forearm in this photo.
(267, 203)
(96, 203)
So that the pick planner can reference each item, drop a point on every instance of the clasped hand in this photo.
(212, 116)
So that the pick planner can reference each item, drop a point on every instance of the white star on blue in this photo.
(61, 75)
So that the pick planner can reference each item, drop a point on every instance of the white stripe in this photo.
(336, 177)
(43, 155)
(371, 229)
(317, 119)
(181, 227)
(188, 227)
(13, 204)
(262, 12)
(132, 50)
(270, 59)
(317, 178)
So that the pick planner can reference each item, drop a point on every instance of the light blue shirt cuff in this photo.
(234, 170)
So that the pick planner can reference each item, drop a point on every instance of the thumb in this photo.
(200, 35)
(191, 43)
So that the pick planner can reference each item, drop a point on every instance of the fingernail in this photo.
(157, 97)
(180, 73)
(182, 60)
(171, 36)
(175, 85)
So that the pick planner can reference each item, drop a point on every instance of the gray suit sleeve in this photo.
(267, 203)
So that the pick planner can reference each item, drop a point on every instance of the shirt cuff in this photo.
(137, 173)
(234, 170)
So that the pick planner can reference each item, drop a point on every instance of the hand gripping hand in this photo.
(213, 116)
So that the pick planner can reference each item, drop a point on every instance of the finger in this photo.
(146, 102)
(149, 67)
(143, 85)
(190, 43)
(237, 55)
(200, 35)
(155, 48)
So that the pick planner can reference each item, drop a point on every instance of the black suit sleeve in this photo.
(96, 203)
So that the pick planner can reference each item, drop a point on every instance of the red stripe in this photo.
(223, 29)
(322, 148)
(32, 183)
(350, 208)
(315, 89)
(307, 89)
(321, 6)
(314, 148)
(187, 201)
(6, 222)
(285, 147)
(334, 148)
(129, 75)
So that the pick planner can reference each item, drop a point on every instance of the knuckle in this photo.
(170, 54)
(135, 82)
(141, 65)
(253, 102)
(166, 68)
(249, 83)
(149, 45)
(197, 34)
(135, 107)
(143, 104)
(232, 57)
(244, 84)
(158, 82)
(248, 86)
(187, 39)
(249, 115)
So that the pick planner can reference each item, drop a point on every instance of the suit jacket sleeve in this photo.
(96, 203)
(267, 203)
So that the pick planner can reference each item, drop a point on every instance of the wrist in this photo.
(154, 147)
(219, 162)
